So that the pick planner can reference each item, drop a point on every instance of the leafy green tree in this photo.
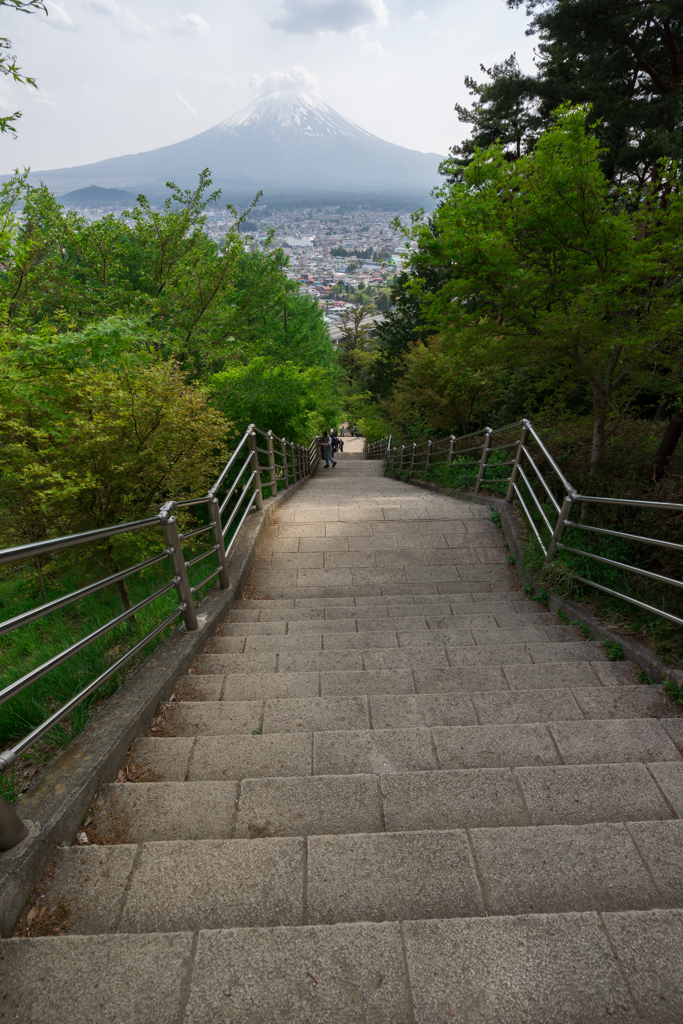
(8, 62)
(625, 58)
(547, 269)
(292, 401)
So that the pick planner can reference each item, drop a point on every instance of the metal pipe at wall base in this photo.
(12, 828)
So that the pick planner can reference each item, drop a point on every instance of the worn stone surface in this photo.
(649, 949)
(422, 711)
(613, 741)
(494, 746)
(104, 978)
(579, 794)
(515, 970)
(391, 877)
(324, 805)
(436, 800)
(92, 880)
(551, 869)
(337, 975)
(661, 845)
(165, 811)
(313, 714)
(239, 757)
(183, 886)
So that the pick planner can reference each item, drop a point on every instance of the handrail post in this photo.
(412, 459)
(285, 470)
(429, 456)
(181, 579)
(293, 458)
(12, 828)
(450, 449)
(214, 510)
(271, 460)
(255, 468)
(523, 438)
(484, 459)
(560, 526)
(403, 452)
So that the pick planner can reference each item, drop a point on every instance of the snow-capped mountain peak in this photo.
(301, 112)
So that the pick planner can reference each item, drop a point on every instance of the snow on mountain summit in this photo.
(301, 111)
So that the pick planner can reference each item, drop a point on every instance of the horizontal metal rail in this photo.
(536, 501)
(194, 533)
(200, 558)
(46, 547)
(237, 531)
(633, 502)
(78, 698)
(68, 652)
(245, 491)
(231, 461)
(621, 565)
(210, 577)
(565, 483)
(540, 477)
(530, 520)
(63, 602)
(631, 600)
(624, 536)
(235, 482)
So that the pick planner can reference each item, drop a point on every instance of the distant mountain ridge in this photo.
(93, 195)
(284, 143)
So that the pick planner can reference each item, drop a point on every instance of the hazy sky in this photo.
(117, 78)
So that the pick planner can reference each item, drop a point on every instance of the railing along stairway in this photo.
(547, 500)
(259, 461)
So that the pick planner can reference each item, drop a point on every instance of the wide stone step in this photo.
(373, 604)
(238, 686)
(572, 967)
(438, 654)
(395, 749)
(263, 613)
(552, 794)
(420, 619)
(327, 879)
(408, 710)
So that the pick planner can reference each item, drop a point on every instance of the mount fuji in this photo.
(290, 144)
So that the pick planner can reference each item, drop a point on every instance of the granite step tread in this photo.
(398, 795)
(570, 967)
(269, 882)
(404, 710)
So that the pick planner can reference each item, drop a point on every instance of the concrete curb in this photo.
(575, 612)
(54, 808)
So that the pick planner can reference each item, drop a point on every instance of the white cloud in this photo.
(309, 17)
(230, 81)
(186, 103)
(297, 79)
(40, 96)
(128, 23)
(188, 25)
(58, 17)
(366, 46)
(420, 16)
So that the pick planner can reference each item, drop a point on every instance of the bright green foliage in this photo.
(291, 401)
(546, 269)
(87, 445)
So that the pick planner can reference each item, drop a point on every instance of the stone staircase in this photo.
(393, 791)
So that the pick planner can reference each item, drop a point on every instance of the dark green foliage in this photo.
(613, 650)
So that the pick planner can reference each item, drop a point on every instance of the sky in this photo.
(116, 79)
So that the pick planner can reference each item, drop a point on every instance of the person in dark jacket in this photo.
(326, 449)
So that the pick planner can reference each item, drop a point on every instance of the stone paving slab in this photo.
(451, 800)
(215, 883)
(669, 778)
(267, 685)
(580, 794)
(338, 684)
(609, 742)
(508, 706)
(77, 979)
(620, 702)
(551, 674)
(213, 718)
(218, 758)
(661, 845)
(318, 975)
(310, 714)
(166, 811)
(549, 869)
(421, 711)
(495, 746)
(391, 877)
(515, 970)
(648, 947)
(162, 760)
(464, 678)
(93, 881)
(322, 805)
(373, 752)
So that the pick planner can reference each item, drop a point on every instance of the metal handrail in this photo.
(292, 465)
(423, 457)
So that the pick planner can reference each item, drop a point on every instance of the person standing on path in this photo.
(326, 448)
